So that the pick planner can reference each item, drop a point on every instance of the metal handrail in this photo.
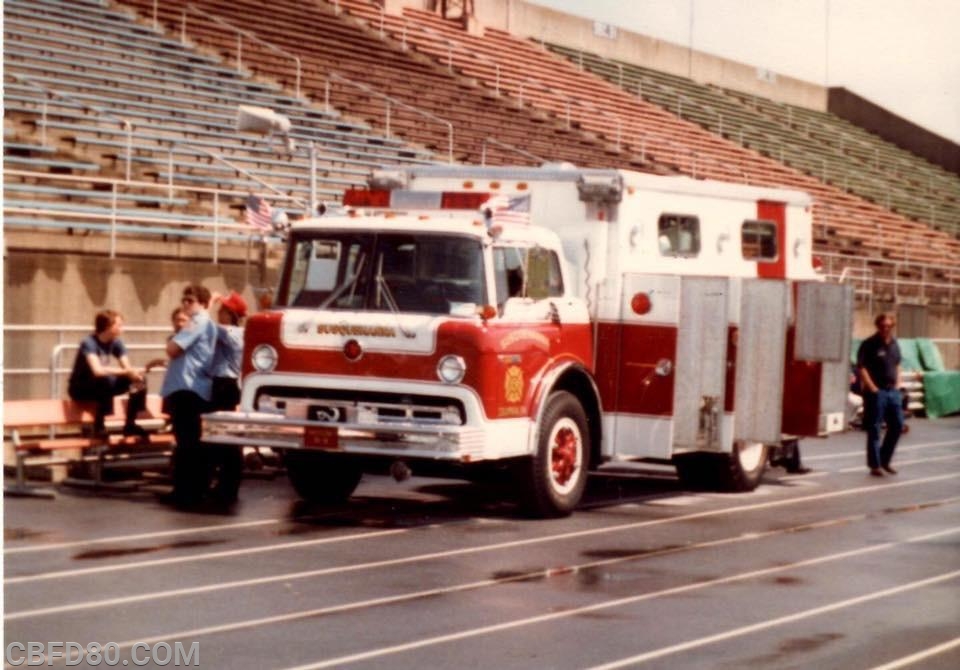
(128, 126)
(116, 184)
(241, 33)
(389, 100)
(125, 124)
(508, 147)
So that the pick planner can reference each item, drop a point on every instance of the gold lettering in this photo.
(354, 330)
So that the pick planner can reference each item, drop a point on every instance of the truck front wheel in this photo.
(321, 478)
(555, 477)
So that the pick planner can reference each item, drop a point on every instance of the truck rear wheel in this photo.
(321, 478)
(736, 472)
(555, 477)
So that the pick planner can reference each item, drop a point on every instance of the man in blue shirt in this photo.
(94, 379)
(878, 360)
(187, 389)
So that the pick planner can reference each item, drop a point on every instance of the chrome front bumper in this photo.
(260, 429)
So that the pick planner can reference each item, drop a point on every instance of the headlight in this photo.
(264, 358)
(451, 369)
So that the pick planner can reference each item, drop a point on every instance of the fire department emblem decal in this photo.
(513, 384)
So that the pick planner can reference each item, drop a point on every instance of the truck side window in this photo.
(526, 273)
(758, 241)
(679, 235)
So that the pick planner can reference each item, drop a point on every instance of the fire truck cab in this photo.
(544, 321)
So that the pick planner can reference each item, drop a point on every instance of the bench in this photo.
(38, 428)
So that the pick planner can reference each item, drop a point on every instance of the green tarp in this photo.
(941, 393)
(930, 355)
(909, 355)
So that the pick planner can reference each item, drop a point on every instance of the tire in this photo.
(553, 480)
(321, 478)
(744, 467)
(737, 472)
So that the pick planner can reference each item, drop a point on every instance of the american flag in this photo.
(258, 213)
(507, 209)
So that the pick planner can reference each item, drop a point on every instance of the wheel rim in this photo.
(566, 458)
(750, 455)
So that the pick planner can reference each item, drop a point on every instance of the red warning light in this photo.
(361, 197)
(352, 350)
(640, 304)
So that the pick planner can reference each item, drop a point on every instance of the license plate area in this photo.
(321, 437)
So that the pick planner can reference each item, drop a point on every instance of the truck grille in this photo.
(360, 407)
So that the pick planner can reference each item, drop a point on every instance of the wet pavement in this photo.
(832, 569)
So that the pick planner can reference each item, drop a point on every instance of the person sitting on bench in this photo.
(94, 379)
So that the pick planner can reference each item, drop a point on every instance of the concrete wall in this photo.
(894, 129)
(528, 20)
(68, 289)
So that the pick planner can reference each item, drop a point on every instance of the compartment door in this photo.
(824, 326)
(761, 348)
(700, 371)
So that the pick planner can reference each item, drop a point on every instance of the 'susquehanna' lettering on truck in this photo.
(543, 322)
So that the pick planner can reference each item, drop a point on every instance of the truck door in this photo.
(529, 290)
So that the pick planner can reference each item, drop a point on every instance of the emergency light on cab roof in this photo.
(401, 199)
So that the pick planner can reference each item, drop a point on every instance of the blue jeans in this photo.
(885, 405)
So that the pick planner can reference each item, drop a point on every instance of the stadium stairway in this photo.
(898, 258)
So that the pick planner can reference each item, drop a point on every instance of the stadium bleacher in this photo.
(77, 72)
(137, 95)
(363, 76)
(818, 143)
(907, 257)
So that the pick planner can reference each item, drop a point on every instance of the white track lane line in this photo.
(923, 655)
(266, 522)
(863, 468)
(900, 448)
(471, 586)
(630, 600)
(321, 572)
(772, 623)
(146, 536)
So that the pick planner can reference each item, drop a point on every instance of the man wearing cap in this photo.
(232, 308)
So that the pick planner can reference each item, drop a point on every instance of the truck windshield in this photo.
(434, 274)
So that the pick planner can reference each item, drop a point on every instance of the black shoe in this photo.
(799, 470)
(876, 472)
(135, 431)
(890, 469)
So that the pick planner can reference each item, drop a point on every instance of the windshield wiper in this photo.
(383, 287)
(345, 285)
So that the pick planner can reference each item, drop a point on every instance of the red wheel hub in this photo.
(564, 455)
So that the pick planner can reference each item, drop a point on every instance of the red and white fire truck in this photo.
(544, 321)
